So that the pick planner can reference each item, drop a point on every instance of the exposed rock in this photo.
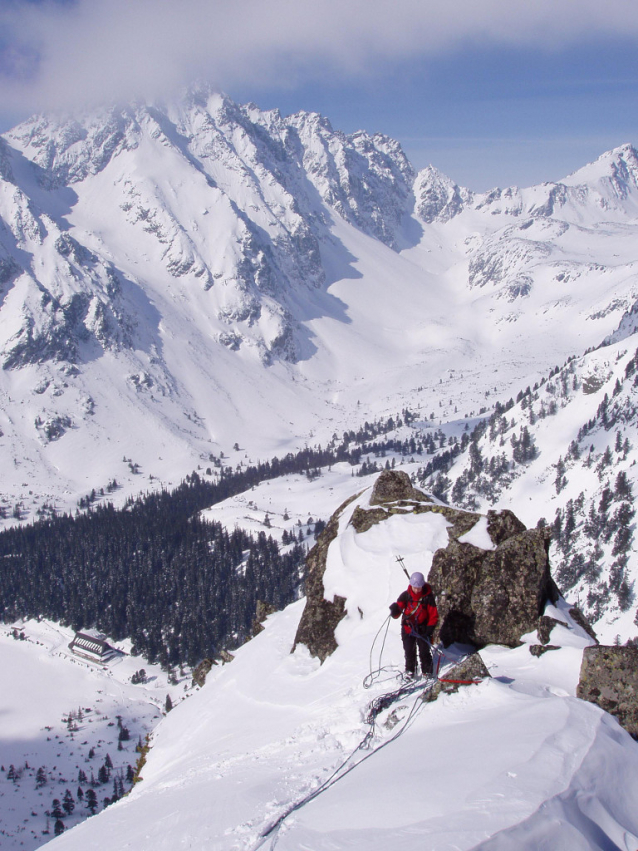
(545, 627)
(472, 668)
(261, 613)
(363, 520)
(226, 657)
(609, 678)
(201, 671)
(320, 617)
(582, 621)
(492, 597)
(484, 596)
(502, 525)
(395, 485)
(468, 672)
(538, 649)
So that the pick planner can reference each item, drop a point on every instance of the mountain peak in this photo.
(617, 167)
(438, 198)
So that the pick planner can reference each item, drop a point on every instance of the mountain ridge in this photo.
(196, 267)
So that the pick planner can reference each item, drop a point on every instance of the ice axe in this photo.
(400, 560)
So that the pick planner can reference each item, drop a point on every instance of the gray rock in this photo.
(545, 627)
(471, 669)
(502, 525)
(320, 616)
(483, 596)
(261, 613)
(538, 649)
(468, 672)
(201, 672)
(577, 616)
(609, 678)
(492, 597)
(395, 485)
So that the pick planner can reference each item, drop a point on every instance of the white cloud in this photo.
(108, 49)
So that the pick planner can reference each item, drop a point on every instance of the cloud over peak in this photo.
(64, 53)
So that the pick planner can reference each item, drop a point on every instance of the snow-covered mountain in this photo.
(278, 750)
(177, 279)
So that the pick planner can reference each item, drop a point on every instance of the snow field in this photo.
(45, 684)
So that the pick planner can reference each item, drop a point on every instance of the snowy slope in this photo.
(516, 761)
(56, 708)
(579, 474)
(176, 278)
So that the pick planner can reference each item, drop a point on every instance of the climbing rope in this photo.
(408, 687)
(376, 707)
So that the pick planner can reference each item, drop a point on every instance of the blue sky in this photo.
(491, 92)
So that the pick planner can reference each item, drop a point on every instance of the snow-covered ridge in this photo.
(606, 187)
(271, 728)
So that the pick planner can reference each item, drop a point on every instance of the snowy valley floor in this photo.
(44, 684)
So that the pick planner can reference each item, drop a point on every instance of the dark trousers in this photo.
(410, 642)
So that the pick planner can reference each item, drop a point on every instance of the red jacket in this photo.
(419, 610)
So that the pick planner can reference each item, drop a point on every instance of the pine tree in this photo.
(91, 800)
(68, 802)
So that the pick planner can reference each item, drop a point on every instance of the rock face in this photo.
(493, 596)
(609, 678)
(484, 596)
(320, 617)
(201, 671)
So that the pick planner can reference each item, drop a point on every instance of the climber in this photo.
(420, 616)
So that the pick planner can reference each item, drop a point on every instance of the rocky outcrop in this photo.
(492, 596)
(545, 627)
(609, 678)
(540, 649)
(395, 486)
(201, 672)
(484, 596)
(582, 621)
(320, 617)
(262, 611)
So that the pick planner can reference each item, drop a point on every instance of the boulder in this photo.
(469, 671)
(201, 671)
(609, 678)
(539, 649)
(393, 486)
(545, 627)
(492, 596)
(581, 620)
(262, 611)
